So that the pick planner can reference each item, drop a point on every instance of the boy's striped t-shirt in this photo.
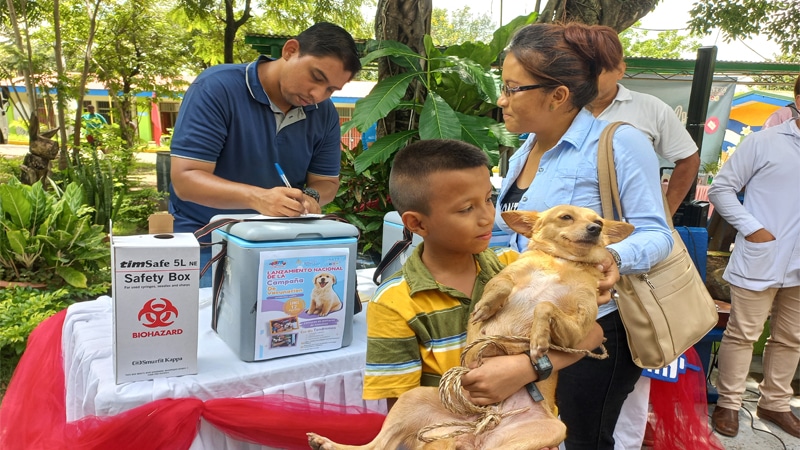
(416, 328)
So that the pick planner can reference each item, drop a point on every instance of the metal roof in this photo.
(736, 69)
(272, 45)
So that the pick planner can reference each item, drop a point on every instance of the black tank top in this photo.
(511, 200)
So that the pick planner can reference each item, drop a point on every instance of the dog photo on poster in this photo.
(301, 296)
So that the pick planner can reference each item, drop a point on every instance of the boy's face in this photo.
(461, 214)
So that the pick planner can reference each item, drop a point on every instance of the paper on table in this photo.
(304, 216)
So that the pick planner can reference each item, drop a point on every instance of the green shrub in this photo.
(49, 237)
(136, 208)
(362, 199)
(101, 191)
(22, 310)
(9, 168)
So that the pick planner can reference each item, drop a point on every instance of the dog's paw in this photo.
(483, 312)
(318, 442)
(540, 344)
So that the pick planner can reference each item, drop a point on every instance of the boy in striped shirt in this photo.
(417, 319)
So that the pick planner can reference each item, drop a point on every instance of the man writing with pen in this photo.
(239, 123)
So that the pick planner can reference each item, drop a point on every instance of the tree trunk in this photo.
(616, 14)
(27, 69)
(61, 101)
(92, 8)
(232, 25)
(407, 22)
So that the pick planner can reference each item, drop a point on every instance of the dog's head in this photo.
(324, 279)
(569, 232)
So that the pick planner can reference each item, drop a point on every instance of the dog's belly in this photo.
(516, 316)
(537, 424)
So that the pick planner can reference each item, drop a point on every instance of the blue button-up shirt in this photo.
(567, 174)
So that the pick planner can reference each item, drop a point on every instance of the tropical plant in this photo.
(362, 199)
(103, 173)
(48, 237)
(454, 90)
(101, 190)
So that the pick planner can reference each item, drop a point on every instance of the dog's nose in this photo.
(594, 229)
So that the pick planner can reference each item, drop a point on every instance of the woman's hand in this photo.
(610, 278)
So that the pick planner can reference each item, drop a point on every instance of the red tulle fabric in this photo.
(680, 411)
(32, 415)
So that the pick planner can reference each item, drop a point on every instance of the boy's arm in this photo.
(393, 363)
(501, 376)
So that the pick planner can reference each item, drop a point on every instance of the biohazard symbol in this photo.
(158, 312)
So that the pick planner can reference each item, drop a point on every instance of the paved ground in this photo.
(21, 150)
(148, 179)
(755, 434)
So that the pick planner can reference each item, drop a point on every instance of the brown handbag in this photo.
(668, 309)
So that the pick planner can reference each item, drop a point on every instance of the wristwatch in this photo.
(311, 192)
(542, 366)
(617, 259)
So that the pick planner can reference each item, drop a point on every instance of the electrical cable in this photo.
(754, 395)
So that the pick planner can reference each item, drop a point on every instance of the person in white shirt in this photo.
(764, 273)
(672, 142)
(790, 111)
(654, 118)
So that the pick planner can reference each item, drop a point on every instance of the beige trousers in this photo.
(749, 311)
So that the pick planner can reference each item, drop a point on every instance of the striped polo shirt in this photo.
(416, 327)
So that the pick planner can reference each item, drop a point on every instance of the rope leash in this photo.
(453, 398)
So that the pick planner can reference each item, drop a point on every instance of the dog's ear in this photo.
(521, 221)
(615, 231)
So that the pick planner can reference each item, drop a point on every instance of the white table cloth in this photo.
(332, 377)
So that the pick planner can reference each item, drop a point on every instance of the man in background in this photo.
(763, 271)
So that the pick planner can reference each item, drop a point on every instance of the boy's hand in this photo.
(610, 278)
(497, 379)
(501, 376)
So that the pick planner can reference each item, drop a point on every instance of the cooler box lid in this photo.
(288, 229)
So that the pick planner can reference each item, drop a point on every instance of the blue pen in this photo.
(283, 175)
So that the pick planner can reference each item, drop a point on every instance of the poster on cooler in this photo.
(301, 301)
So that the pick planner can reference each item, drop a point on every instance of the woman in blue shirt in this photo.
(549, 75)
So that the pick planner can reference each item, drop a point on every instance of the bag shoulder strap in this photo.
(397, 249)
(607, 173)
(219, 273)
(795, 111)
(607, 177)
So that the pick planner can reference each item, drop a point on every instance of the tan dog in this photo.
(549, 295)
(323, 299)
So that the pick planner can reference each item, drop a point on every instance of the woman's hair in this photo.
(570, 55)
(608, 47)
